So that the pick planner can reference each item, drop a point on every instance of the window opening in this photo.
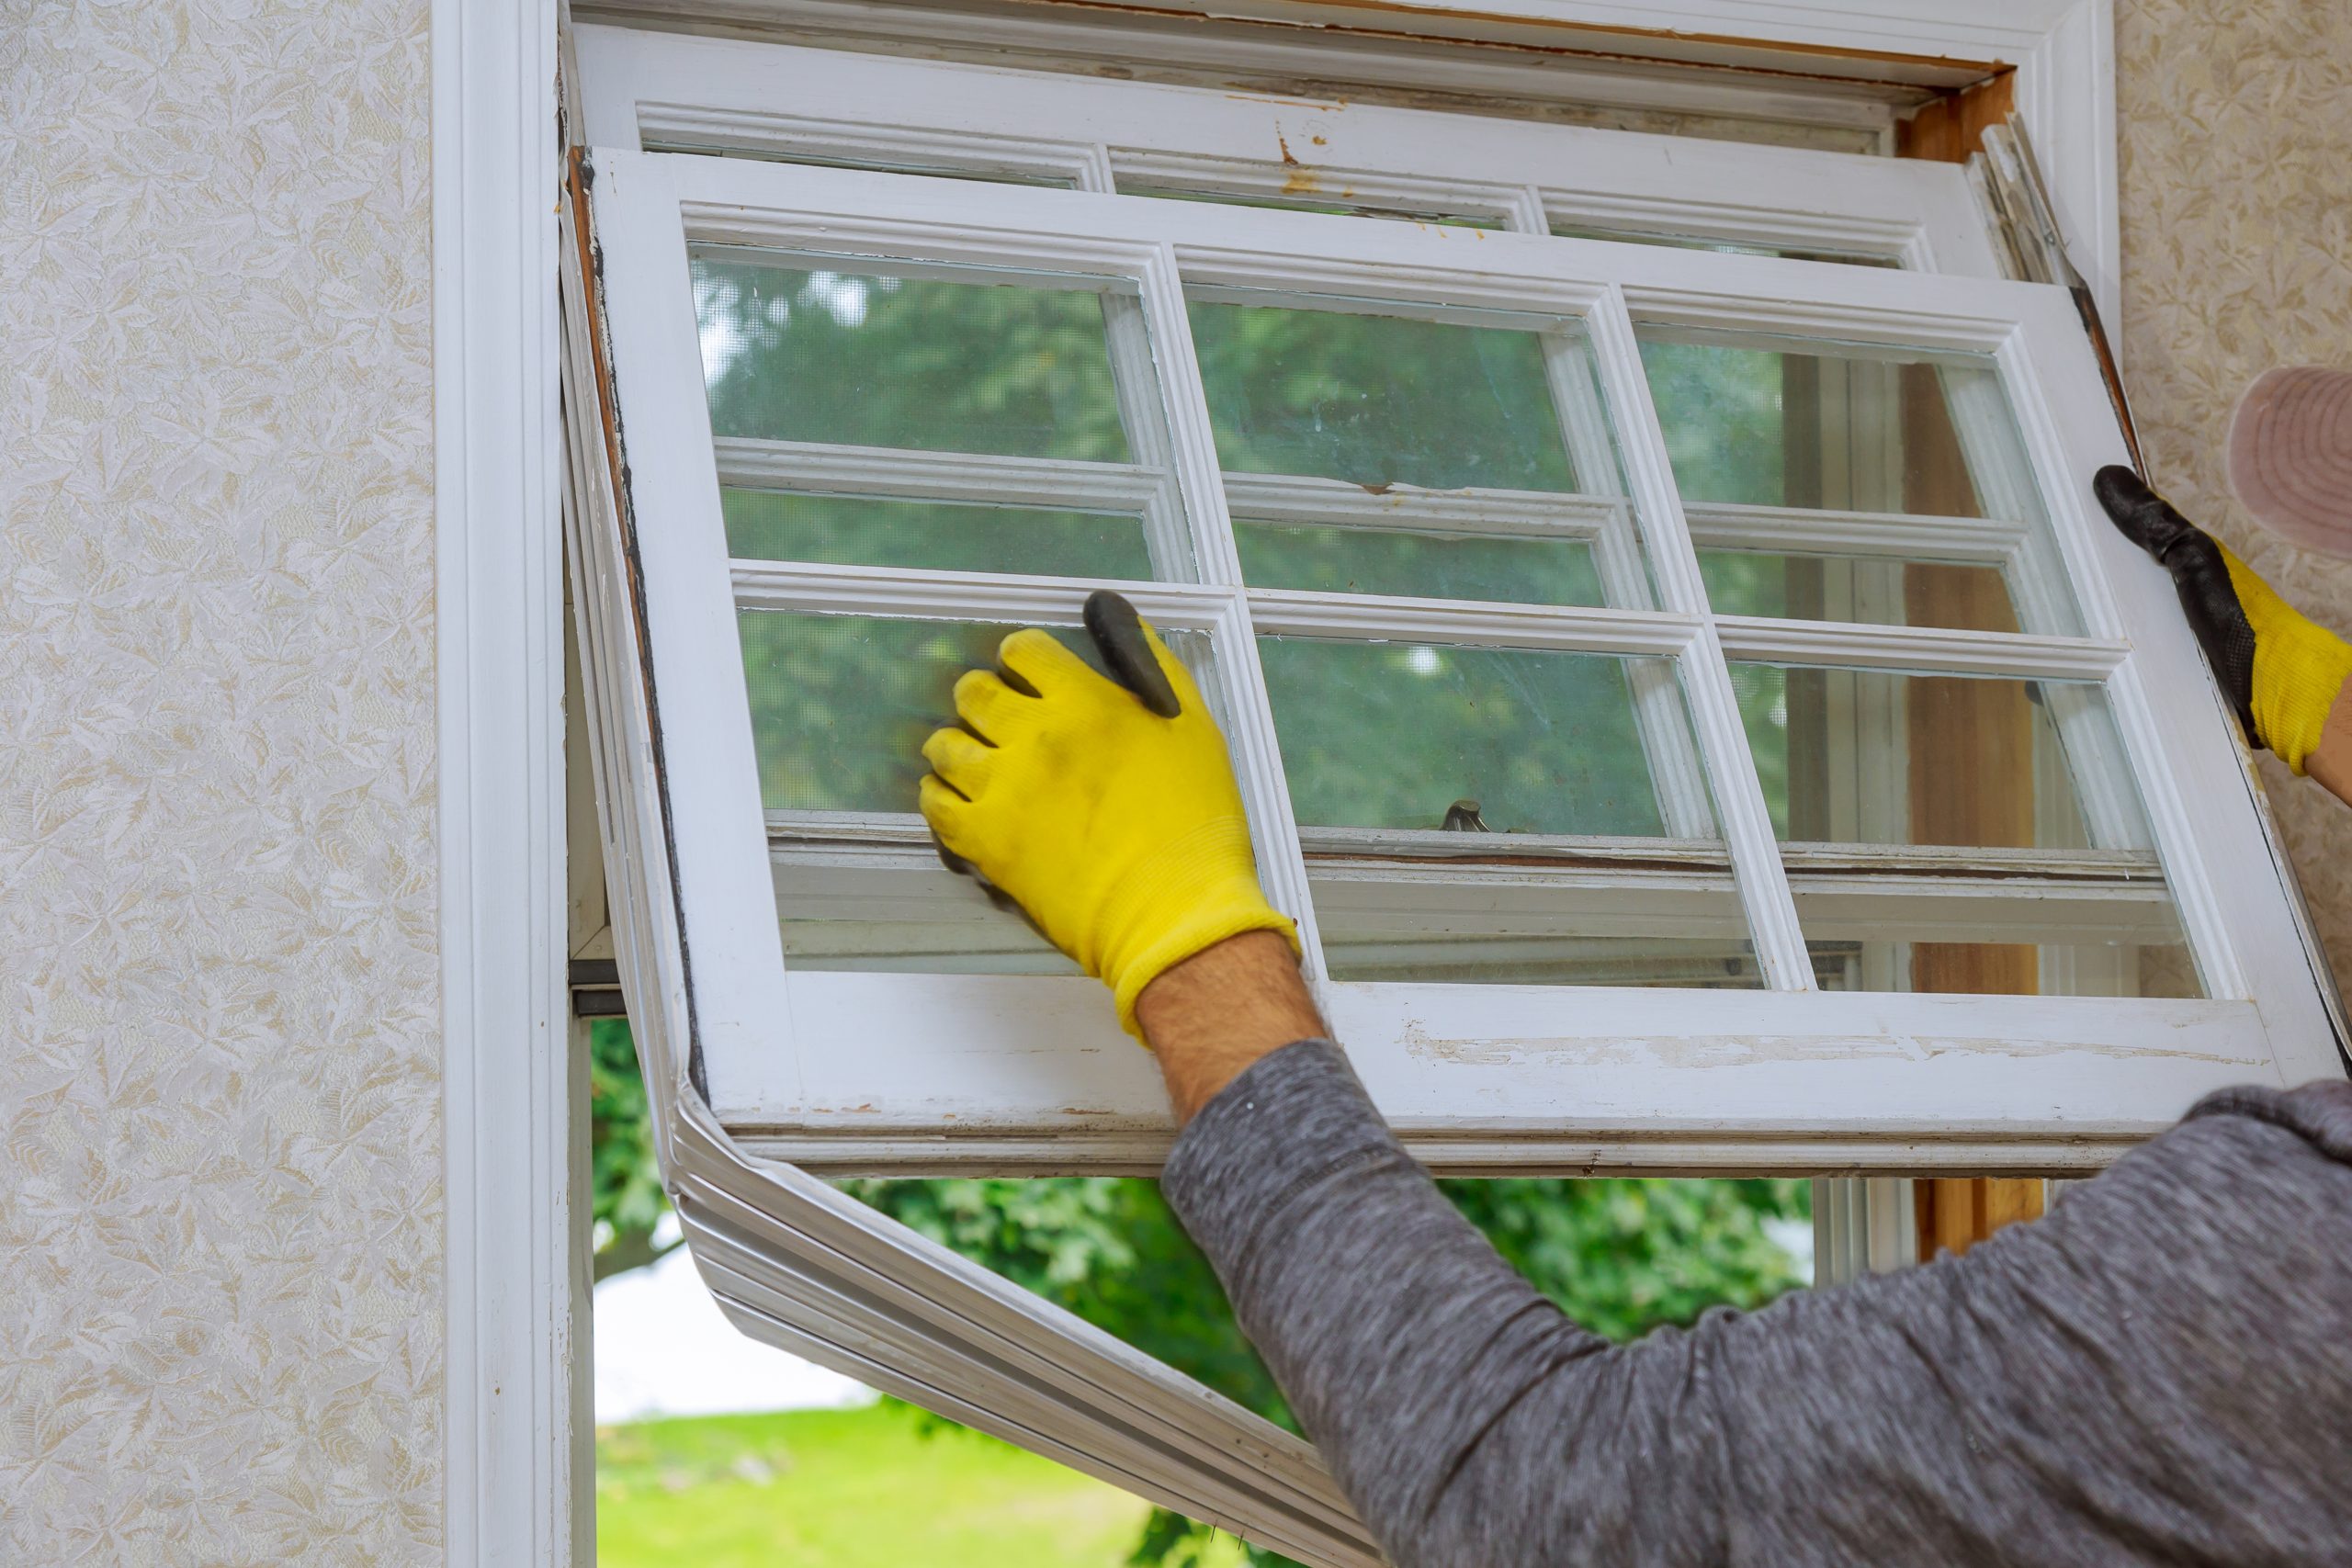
(1622, 1256)
(1734, 665)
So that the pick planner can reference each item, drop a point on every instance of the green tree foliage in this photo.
(625, 1184)
(1622, 1257)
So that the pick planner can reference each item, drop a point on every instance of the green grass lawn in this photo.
(879, 1487)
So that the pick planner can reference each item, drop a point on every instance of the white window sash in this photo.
(1028, 1073)
(829, 105)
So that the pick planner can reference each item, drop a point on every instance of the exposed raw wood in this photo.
(1952, 126)
(1954, 1214)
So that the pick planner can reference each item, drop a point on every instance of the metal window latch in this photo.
(596, 988)
(1462, 817)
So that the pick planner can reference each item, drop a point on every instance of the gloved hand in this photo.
(1106, 810)
(2279, 670)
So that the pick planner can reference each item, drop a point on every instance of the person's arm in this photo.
(2081, 1390)
(2330, 763)
(1211, 1017)
(2284, 675)
(2114, 1384)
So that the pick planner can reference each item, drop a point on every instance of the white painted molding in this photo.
(515, 1291)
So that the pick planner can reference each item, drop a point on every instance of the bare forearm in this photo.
(2330, 763)
(1211, 1016)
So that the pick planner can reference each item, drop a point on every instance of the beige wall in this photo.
(220, 1209)
(2237, 255)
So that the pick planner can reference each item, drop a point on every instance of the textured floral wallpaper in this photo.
(220, 1215)
(2237, 255)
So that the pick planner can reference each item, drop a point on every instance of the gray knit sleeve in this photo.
(2151, 1373)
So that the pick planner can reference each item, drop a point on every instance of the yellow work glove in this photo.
(1105, 810)
(2280, 672)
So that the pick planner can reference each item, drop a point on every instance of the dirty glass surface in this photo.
(1752, 421)
(1397, 405)
(795, 351)
(940, 536)
(1869, 755)
(1379, 400)
(1898, 951)
(848, 353)
(1527, 569)
(1392, 734)
(1870, 590)
(1484, 769)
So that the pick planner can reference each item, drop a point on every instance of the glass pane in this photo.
(1860, 756)
(717, 145)
(1896, 949)
(1384, 399)
(1872, 589)
(1524, 568)
(1724, 247)
(799, 349)
(1767, 421)
(1394, 734)
(840, 704)
(857, 908)
(1464, 813)
(940, 536)
(1342, 203)
(1529, 921)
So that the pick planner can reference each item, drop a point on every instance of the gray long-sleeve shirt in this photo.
(2159, 1371)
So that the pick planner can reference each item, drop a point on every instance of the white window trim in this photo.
(517, 1424)
(518, 1488)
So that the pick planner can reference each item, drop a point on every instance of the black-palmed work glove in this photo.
(2281, 672)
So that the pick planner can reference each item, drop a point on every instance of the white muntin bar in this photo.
(1245, 712)
(1677, 776)
(1923, 650)
(817, 467)
(1887, 536)
(1739, 803)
